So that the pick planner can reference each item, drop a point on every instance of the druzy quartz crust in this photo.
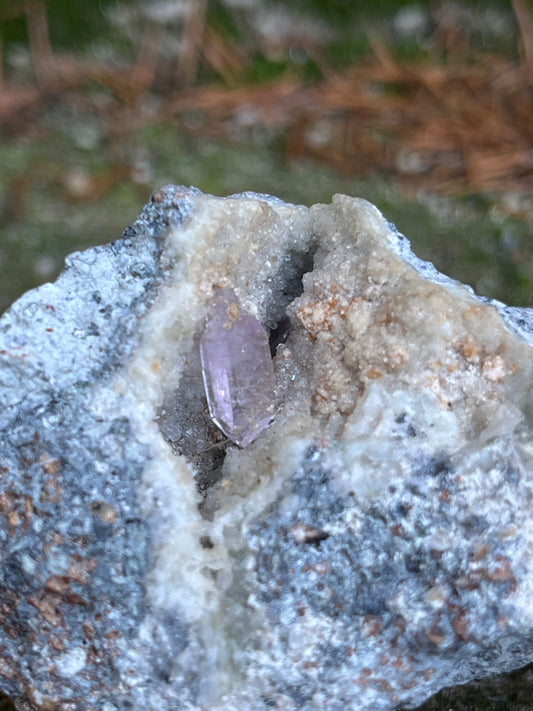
(237, 369)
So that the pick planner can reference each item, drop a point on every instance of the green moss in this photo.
(72, 24)
(261, 69)
(223, 20)
(348, 49)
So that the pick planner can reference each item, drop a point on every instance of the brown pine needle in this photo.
(40, 47)
(525, 24)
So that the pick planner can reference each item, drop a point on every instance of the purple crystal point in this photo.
(237, 369)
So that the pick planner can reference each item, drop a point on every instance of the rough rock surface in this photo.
(370, 547)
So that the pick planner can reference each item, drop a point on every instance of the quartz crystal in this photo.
(237, 369)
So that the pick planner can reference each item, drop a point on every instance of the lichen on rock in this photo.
(366, 549)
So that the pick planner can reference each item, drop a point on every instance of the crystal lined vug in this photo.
(237, 369)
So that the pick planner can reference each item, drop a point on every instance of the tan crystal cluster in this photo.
(366, 315)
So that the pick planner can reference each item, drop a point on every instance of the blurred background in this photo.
(424, 108)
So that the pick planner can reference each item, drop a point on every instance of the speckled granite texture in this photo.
(370, 547)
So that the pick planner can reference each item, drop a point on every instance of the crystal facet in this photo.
(237, 369)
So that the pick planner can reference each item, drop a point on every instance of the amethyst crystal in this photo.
(237, 369)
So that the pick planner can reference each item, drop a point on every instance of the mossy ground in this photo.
(72, 178)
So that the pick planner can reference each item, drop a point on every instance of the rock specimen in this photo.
(367, 548)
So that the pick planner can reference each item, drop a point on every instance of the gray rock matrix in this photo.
(370, 547)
